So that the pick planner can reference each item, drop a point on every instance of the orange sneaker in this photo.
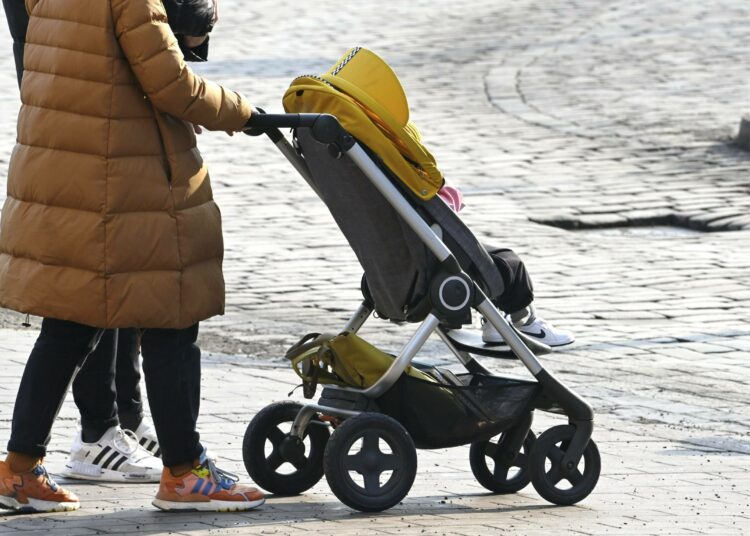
(33, 491)
(205, 489)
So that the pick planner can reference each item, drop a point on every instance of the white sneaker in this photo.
(545, 332)
(116, 457)
(147, 438)
(537, 328)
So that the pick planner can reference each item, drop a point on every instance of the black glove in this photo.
(249, 129)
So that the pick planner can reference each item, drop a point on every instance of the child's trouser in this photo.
(519, 291)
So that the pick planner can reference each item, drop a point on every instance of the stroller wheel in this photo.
(370, 462)
(510, 470)
(275, 461)
(558, 484)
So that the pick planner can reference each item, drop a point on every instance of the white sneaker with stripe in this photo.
(147, 438)
(116, 457)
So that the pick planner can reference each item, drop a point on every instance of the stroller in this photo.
(355, 147)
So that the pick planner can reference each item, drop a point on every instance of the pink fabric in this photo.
(452, 197)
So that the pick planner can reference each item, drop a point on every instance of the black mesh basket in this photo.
(459, 408)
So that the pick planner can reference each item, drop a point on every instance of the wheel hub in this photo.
(292, 449)
(370, 461)
(508, 457)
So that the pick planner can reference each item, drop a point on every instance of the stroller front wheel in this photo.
(558, 484)
(370, 462)
(274, 460)
(510, 470)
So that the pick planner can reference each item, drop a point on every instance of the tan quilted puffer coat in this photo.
(110, 220)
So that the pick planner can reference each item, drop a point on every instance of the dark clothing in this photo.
(190, 17)
(18, 21)
(194, 18)
(172, 366)
(186, 17)
(107, 392)
(128, 378)
(199, 53)
(519, 291)
(94, 392)
(59, 350)
(171, 362)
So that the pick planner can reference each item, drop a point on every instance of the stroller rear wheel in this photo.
(510, 471)
(278, 462)
(370, 462)
(558, 484)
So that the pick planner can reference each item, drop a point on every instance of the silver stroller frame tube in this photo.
(358, 319)
(384, 383)
(402, 206)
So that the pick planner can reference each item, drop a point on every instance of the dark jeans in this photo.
(107, 391)
(171, 363)
(519, 291)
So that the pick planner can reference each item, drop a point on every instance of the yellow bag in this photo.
(344, 359)
(365, 95)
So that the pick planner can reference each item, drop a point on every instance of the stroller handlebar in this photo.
(325, 128)
(262, 121)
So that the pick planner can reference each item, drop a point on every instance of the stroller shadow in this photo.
(276, 512)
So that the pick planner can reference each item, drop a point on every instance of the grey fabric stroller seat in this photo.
(398, 266)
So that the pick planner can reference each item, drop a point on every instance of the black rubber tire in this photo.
(338, 462)
(552, 445)
(263, 469)
(497, 481)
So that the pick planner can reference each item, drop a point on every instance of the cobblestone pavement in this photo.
(650, 484)
(580, 114)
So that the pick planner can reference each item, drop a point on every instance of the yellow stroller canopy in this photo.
(367, 98)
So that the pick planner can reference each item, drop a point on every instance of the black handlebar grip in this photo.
(260, 122)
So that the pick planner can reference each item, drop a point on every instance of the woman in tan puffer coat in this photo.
(109, 219)
(110, 222)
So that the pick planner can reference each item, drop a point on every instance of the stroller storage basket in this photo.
(460, 409)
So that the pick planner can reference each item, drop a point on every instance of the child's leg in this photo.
(519, 290)
(517, 303)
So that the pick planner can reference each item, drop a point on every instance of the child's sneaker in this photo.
(33, 491)
(147, 438)
(206, 489)
(536, 327)
(116, 457)
(545, 332)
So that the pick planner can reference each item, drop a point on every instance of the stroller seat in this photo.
(398, 266)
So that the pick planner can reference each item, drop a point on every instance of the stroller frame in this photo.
(452, 292)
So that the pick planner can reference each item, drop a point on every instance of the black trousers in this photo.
(171, 364)
(519, 290)
(106, 390)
